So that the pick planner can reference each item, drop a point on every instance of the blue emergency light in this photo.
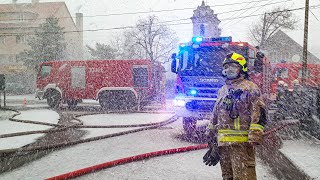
(193, 92)
(224, 39)
(199, 39)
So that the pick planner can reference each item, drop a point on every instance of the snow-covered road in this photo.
(178, 166)
(304, 154)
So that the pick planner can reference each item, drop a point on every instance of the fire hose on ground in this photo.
(149, 155)
(147, 126)
(115, 162)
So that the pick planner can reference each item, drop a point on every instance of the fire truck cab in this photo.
(198, 66)
(114, 83)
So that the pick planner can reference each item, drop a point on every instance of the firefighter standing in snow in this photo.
(237, 124)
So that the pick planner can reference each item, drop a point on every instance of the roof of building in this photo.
(279, 35)
(43, 10)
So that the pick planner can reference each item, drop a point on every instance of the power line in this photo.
(253, 6)
(218, 13)
(253, 11)
(146, 12)
(158, 24)
(315, 6)
(314, 15)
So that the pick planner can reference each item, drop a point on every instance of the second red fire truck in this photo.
(114, 83)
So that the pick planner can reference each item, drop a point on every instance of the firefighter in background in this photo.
(296, 96)
(238, 122)
(282, 100)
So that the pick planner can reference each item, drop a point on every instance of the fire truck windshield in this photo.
(45, 71)
(205, 61)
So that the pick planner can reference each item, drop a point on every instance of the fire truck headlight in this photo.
(193, 92)
(179, 102)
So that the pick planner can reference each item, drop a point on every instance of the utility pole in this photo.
(305, 43)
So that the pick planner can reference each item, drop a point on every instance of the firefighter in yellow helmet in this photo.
(238, 122)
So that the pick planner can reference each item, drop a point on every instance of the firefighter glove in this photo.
(211, 158)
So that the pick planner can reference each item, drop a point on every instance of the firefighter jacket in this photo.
(239, 114)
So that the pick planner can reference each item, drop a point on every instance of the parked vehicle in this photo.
(114, 83)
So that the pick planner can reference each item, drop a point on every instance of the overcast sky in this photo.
(238, 28)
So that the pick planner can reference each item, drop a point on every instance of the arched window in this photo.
(202, 30)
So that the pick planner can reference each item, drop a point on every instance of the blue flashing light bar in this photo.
(197, 39)
(222, 39)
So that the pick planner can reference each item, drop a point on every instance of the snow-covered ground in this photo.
(7, 126)
(177, 166)
(119, 119)
(29, 97)
(305, 154)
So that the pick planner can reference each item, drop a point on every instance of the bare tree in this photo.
(271, 22)
(149, 39)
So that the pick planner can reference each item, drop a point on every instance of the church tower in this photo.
(205, 22)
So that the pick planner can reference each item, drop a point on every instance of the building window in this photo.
(281, 72)
(6, 59)
(308, 73)
(2, 39)
(202, 30)
(22, 17)
(21, 39)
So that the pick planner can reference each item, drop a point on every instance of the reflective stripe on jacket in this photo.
(247, 125)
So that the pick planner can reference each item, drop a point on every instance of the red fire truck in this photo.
(114, 83)
(198, 66)
(290, 72)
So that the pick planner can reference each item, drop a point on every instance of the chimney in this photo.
(79, 21)
(79, 24)
(33, 2)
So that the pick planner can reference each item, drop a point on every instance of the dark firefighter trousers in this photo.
(238, 162)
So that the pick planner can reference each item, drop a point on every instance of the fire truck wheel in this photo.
(53, 99)
(189, 125)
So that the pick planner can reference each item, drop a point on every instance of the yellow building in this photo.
(18, 21)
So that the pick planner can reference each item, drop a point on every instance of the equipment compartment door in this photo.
(78, 77)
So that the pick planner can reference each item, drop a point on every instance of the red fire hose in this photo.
(109, 164)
